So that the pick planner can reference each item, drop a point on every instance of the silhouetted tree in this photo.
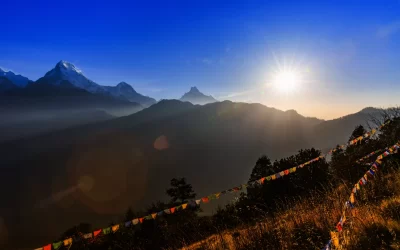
(358, 131)
(262, 168)
(180, 190)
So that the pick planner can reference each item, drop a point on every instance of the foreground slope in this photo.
(93, 172)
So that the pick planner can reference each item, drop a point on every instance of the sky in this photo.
(346, 53)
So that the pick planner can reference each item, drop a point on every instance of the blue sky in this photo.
(350, 50)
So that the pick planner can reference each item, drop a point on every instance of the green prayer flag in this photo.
(57, 245)
(107, 230)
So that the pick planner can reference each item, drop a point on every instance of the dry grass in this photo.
(373, 224)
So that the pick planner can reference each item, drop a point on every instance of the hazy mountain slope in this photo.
(130, 160)
(43, 107)
(196, 97)
(6, 85)
(337, 131)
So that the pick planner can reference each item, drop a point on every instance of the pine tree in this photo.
(180, 191)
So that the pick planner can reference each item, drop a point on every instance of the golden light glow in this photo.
(286, 81)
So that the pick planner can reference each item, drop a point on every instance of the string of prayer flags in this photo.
(206, 199)
(363, 181)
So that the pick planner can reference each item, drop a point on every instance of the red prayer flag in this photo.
(95, 233)
(48, 247)
(172, 209)
(141, 220)
(286, 172)
(204, 199)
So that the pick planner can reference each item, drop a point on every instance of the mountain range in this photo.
(94, 172)
(65, 72)
(65, 91)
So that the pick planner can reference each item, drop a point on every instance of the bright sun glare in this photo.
(287, 81)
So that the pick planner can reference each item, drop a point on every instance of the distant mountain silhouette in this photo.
(337, 131)
(125, 91)
(66, 71)
(18, 80)
(196, 97)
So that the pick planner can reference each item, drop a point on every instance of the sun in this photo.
(286, 81)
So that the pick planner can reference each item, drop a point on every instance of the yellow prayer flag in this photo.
(154, 215)
(335, 238)
(115, 228)
(273, 177)
(352, 198)
(68, 242)
(184, 205)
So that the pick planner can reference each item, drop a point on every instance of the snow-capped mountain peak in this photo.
(68, 66)
(67, 71)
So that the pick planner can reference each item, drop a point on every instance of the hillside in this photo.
(139, 154)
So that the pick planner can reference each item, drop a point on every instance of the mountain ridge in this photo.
(18, 80)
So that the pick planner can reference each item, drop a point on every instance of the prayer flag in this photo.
(48, 247)
(204, 199)
(68, 242)
(115, 228)
(57, 245)
(335, 238)
(88, 236)
(135, 221)
(172, 209)
(107, 230)
(184, 205)
(95, 233)
(141, 220)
